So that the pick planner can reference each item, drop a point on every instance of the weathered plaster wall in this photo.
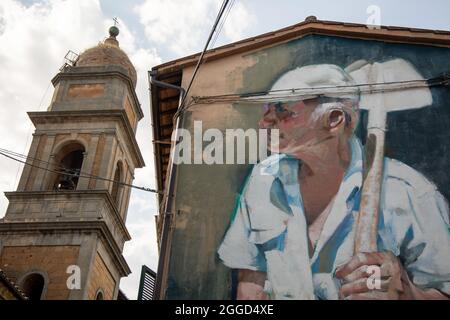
(205, 194)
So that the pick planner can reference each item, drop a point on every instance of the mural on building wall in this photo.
(356, 189)
(294, 234)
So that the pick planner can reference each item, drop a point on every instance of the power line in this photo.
(364, 88)
(30, 127)
(72, 172)
(67, 172)
(219, 29)
(200, 60)
(20, 155)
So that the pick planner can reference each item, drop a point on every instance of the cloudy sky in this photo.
(36, 34)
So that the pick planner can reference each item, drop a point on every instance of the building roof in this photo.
(312, 25)
(122, 296)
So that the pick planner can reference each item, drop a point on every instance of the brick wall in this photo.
(97, 160)
(38, 155)
(101, 278)
(54, 260)
(130, 113)
(80, 91)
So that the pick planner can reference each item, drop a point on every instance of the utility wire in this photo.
(20, 155)
(68, 172)
(219, 29)
(364, 88)
(200, 60)
(75, 173)
(245, 97)
(65, 171)
(29, 131)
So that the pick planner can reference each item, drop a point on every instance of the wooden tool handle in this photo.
(367, 221)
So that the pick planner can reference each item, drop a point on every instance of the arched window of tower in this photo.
(33, 286)
(99, 295)
(68, 162)
(115, 192)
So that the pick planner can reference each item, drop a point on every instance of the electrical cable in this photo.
(30, 127)
(370, 88)
(200, 60)
(72, 172)
(245, 97)
(219, 29)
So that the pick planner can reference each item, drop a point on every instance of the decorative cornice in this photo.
(70, 226)
(100, 72)
(54, 116)
(102, 193)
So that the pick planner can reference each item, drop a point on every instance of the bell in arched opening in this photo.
(69, 170)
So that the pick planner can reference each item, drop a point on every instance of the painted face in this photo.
(298, 124)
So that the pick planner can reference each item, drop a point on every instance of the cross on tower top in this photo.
(114, 30)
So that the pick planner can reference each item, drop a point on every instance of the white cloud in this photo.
(141, 249)
(33, 42)
(144, 60)
(183, 26)
(238, 22)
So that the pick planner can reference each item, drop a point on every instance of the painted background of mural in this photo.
(206, 194)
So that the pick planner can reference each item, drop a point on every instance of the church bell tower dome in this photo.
(108, 53)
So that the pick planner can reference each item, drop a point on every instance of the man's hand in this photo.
(251, 285)
(356, 280)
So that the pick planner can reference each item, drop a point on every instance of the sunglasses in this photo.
(284, 109)
(287, 109)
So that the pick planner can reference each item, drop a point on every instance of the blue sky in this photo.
(36, 34)
(271, 15)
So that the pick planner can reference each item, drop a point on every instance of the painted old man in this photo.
(292, 233)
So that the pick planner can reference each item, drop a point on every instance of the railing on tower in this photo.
(70, 59)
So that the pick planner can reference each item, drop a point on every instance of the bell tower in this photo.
(64, 230)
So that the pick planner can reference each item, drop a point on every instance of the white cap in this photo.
(311, 81)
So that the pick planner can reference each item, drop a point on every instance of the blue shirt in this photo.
(268, 231)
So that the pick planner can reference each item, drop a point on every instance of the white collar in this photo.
(285, 168)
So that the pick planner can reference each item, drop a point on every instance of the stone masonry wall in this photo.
(54, 260)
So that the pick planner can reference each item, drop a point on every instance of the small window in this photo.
(33, 286)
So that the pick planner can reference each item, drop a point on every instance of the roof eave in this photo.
(333, 28)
